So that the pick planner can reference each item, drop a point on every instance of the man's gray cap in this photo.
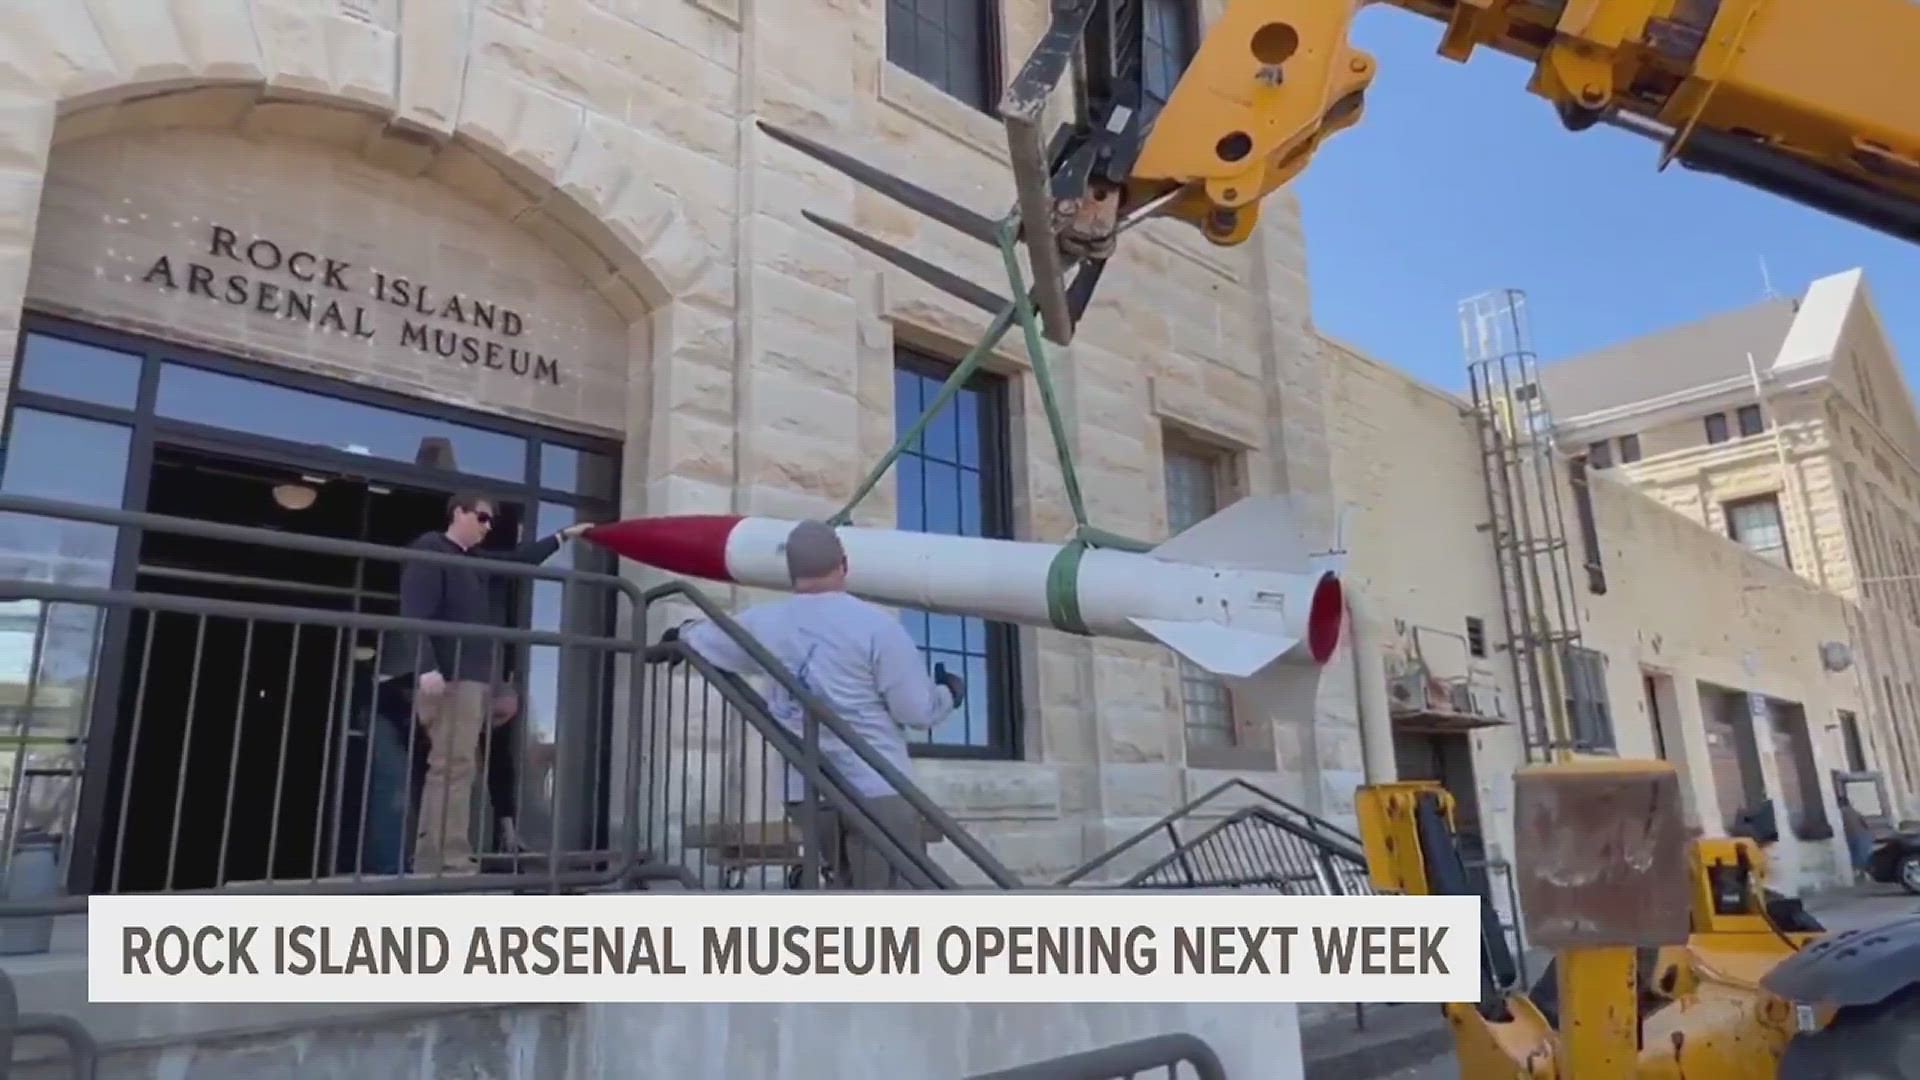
(813, 550)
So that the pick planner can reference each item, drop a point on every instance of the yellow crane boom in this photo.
(1816, 101)
(1811, 100)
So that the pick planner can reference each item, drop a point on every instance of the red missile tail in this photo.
(690, 544)
(1324, 615)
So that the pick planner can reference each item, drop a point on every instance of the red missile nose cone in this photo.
(690, 544)
(1324, 614)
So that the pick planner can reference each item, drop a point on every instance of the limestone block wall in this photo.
(1406, 460)
(1851, 523)
(621, 136)
(1681, 601)
(1688, 604)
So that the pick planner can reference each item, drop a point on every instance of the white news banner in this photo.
(1089, 946)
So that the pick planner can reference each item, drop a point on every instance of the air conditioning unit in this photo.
(1408, 689)
(1486, 701)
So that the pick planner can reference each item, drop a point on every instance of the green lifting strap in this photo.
(1063, 599)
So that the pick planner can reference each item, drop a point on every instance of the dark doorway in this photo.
(1447, 759)
(235, 749)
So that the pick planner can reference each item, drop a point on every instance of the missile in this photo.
(1235, 594)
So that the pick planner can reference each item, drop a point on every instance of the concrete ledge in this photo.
(56, 982)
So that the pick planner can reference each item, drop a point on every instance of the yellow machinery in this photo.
(1671, 959)
(1813, 100)
(1671, 962)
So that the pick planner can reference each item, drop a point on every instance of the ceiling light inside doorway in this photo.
(294, 496)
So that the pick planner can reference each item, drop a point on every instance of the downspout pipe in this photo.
(1370, 691)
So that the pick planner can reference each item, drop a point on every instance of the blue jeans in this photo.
(392, 789)
(1861, 845)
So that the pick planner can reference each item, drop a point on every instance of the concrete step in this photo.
(1395, 1037)
(522, 1042)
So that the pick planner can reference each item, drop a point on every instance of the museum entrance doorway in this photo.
(217, 748)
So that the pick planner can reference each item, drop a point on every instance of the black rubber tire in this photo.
(1907, 872)
(1878, 1042)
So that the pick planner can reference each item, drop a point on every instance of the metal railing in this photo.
(82, 1050)
(1124, 1061)
(737, 797)
(1264, 843)
(254, 746)
(235, 745)
(1269, 844)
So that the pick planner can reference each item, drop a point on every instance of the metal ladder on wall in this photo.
(1558, 682)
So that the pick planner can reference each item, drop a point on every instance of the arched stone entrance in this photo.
(400, 101)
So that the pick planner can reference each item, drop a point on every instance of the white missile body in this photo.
(1216, 594)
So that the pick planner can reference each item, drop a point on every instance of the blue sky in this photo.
(1457, 181)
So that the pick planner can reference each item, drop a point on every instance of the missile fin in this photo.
(1223, 650)
(1262, 532)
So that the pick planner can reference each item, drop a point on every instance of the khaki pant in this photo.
(850, 858)
(454, 722)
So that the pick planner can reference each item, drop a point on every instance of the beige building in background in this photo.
(1788, 427)
(1688, 623)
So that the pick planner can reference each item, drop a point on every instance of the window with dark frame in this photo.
(1587, 706)
(1717, 428)
(1750, 420)
(956, 480)
(1629, 449)
(953, 44)
(1172, 38)
(1756, 524)
(1198, 487)
(1476, 636)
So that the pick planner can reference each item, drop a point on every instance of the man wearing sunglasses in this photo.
(453, 677)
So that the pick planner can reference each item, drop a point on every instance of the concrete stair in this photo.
(1395, 1037)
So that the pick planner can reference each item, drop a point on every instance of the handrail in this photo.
(821, 774)
(120, 518)
(1122, 1061)
(826, 716)
(1168, 820)
(622, 862)
(82, 1048)
(187, 604)
(1265, 816)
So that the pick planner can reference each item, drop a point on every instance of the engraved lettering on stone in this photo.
(483, 333)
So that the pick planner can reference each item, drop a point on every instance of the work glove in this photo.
(955, 684)
(666, 650)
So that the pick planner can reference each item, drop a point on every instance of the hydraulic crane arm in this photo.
(1808, 99)
(1812, 100)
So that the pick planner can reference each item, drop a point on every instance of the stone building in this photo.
(1788, 427)
(1685, 624)
(331, 248)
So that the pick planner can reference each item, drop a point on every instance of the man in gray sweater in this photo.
(453, 676)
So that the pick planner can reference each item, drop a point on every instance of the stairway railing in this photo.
(1266, 842)
(1123, 1061)
(821, 787)
(83, 1051)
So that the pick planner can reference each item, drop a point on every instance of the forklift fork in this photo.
(1071, 191)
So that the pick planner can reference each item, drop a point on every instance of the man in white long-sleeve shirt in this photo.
(859, 658)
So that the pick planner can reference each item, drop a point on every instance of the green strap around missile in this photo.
(1063, 599)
